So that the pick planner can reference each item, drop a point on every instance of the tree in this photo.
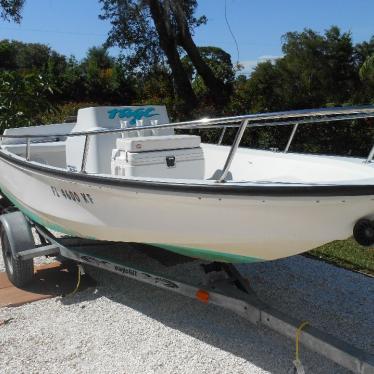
(99, 57)
(367, 76)
(144, 29)
(24, 99)
(105, 77)
(265, 89)
(367, 69)
(363, 50)
(219, 62)
(183, 33)
(98, 68)
(11, 10)
(155, 87)
(322, 65)
(152, 30)
(72, 82)
(316, 70)
(29, 57)
(7, 55)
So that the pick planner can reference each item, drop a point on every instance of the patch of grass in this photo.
(347, 254)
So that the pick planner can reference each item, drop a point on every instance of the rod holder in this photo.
(28, 150)
(222, 135)
(85, 153)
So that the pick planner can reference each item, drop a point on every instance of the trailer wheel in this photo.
(20, 272)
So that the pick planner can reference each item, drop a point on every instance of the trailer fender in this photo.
(18, 230)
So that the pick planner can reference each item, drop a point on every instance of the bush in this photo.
(24, 99)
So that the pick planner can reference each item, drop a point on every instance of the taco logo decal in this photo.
(132, 115)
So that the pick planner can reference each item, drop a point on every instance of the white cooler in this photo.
(170, 156)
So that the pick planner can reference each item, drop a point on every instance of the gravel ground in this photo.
(127, 327)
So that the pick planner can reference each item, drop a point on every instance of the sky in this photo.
(72, 26)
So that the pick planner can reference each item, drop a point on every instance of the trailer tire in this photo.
(20, 272)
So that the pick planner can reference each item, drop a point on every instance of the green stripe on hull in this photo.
(35, 217)
(205, 254)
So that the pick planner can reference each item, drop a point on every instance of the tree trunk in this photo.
(216, 87)
(168, 43)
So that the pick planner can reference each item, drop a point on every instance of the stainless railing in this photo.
(295, 118)
(233, 150)
(291, 137)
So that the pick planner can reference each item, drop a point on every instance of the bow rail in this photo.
(287, 118)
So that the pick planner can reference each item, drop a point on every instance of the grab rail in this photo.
(291, 137)
(233, 150)
(295, 118)
(371, 155)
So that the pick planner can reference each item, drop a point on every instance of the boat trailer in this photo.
(232, 292)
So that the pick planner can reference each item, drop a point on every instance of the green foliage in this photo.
(348, 254)
(265, 88)
(218, 60)
(105, 79)
(37, 57)
(155, 87)
(98, 67)
(99, 77)
(65, 111)
(23, 99)
(322, 66)
(367, 70)
(134, 31)
(315, 70)
(220, 63)
(363, 50)
(367, 76)
(153, 32)
(11, 10)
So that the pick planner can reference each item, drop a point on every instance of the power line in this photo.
(232, 34)
(52, 31)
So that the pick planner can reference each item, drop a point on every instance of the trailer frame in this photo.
(232, 292)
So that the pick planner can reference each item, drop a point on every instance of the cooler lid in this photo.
(158, 143)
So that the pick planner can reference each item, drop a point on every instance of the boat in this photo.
(126, 174)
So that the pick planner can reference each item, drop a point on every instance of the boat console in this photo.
(138, 153)
(109, 118)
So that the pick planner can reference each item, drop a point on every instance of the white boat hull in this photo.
(225, 227)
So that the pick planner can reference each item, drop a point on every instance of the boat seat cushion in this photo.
(158, 143)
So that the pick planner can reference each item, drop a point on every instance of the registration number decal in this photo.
(78, 197)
